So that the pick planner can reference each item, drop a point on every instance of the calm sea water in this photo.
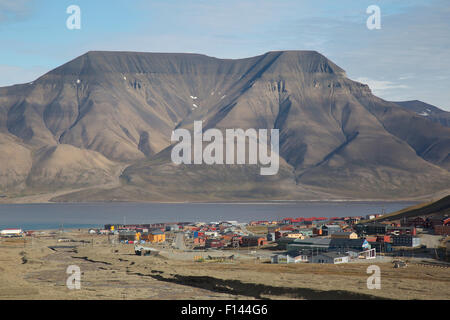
(52, 216)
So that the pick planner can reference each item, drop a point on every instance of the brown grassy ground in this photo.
(34, 271)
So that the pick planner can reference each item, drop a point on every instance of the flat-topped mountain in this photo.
(106, 114)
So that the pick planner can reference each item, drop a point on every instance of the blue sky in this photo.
(408, 58)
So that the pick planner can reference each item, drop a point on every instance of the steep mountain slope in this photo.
(427, 110)
(336, 138)
(15, 162)
(68, 166)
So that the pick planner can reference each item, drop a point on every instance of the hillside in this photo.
(109, 109)
(427, 110)
(439, 207)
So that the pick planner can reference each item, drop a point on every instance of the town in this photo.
(296, 257)
(290, 240)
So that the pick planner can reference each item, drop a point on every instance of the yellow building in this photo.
(344, 235)
(156, 237)
(295, 236)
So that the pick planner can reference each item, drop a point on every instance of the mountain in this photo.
(427, 110)
(106, 114)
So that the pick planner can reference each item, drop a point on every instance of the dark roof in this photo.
(313, 242)
(332, 226)
(346, 242)
(343, 233)
(334, 254)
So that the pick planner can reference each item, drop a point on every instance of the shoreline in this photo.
(279, 202)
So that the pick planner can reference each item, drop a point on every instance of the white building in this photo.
(11, 233)
(285, 258)
(211, 233)
(330, 257)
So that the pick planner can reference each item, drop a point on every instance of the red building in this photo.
(253, 241)
(442, 230)
(213, 243)
(199, 241)
(414, 222)
(384, 238)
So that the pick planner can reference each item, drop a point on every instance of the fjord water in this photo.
(68, 215)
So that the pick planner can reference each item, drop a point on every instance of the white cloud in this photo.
(380, 86)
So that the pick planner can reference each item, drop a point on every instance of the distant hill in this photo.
(76, 125)
(440, 207)
(427, 110)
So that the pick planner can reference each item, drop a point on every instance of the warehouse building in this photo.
(316, 244)
(405, 240)
(329, 229)
(326, 244)
(11, 233)
(330, 257)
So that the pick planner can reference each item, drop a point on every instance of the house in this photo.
(383, 238)
(270, 236)
(353, 220)
(281, 233)
(443, 230)
(317, 231)
(156, 236)
(253, 241)
(329, 229)
(307, 232)
(286, 258)
(236, 241)
(431, 222)
(392, 230)
(414, 222)
(381, 228)
(213, 243)
(127, 235)
(199, 241)
(371, 228)
(330, 257)
(213, 234)
(344, 235)
(172, 227)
